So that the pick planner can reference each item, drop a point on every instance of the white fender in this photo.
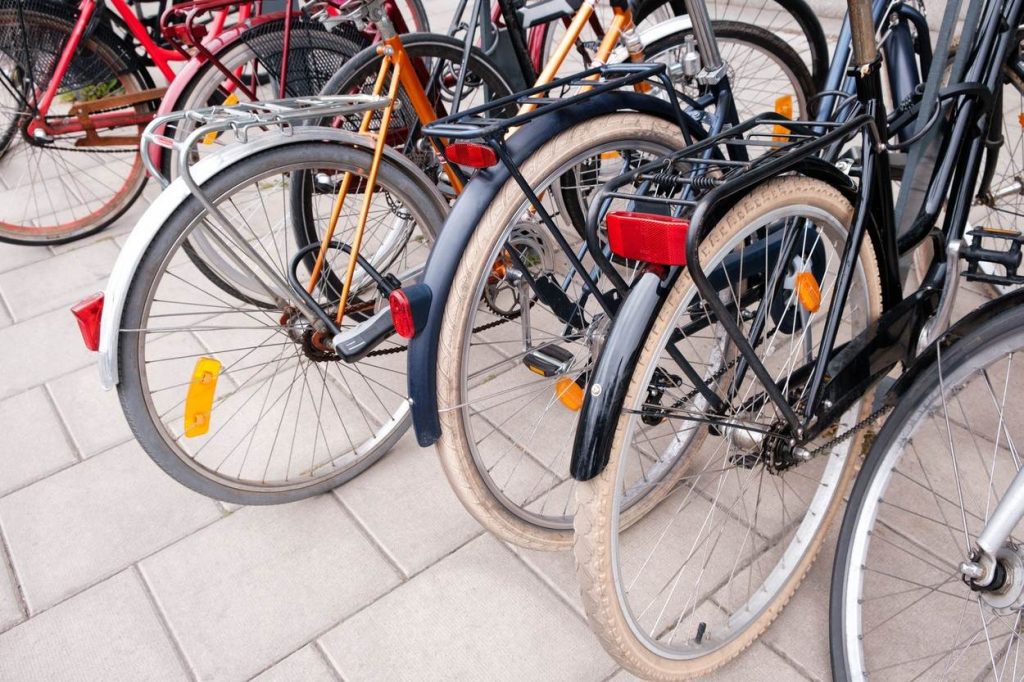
(650, 35)
(149, 225)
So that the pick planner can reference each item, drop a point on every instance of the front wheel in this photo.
(276, 416)
(900, 608)
(690, 585)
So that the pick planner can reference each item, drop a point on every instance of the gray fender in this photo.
(149, 225)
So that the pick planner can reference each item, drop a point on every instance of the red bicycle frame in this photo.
(161, 57)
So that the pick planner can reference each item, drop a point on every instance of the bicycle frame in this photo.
(402, 70)
(840, 375)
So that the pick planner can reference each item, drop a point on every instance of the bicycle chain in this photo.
(476, 330)
(864, 423)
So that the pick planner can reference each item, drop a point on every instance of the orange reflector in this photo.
(783, 107)
(569, 393)
(88, 313)
(1020, 119)
(648, 237)
(471, 154)
(610, 155)
(199, 401)
(807, 291)
(211, 137)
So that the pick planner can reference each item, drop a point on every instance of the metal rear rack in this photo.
(240, 118)
(678, 184)
(486, 122)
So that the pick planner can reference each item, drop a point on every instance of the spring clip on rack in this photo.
(239, 119)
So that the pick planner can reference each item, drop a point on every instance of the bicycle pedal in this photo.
(1008, 258)
(548, 361)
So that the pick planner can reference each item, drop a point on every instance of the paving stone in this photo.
(756, 663)
(93, 416)
(558, 570)
(306, 664)
(5, 317)
(10, 608)
(90, 521)
(408, 507)
(58, 282)
(262, 582)
(801, 631)
(13, 256)
(39, 349)
(109, 632)
(477, 614)
(34, 442)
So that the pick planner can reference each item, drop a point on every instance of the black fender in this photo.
(610, 379)
(961, 331)
(447, 252)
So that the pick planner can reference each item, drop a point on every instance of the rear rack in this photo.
(486, 122)
(680, 184)
(239, 118)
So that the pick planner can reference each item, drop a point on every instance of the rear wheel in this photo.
(507, 414)
(686, 588)
(58, 188)
(284, 416)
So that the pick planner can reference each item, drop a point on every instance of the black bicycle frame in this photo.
(839, 377)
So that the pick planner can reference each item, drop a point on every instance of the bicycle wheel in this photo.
(761, 67)
(431, 54)
(698, 578)
(790, 21)
(256, 56)
(506, 437)
(900, 608)
(60, 188)
(288, 418)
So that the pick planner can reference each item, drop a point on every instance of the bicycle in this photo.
(750, 356)
(501, 419)
(77, 90)
(520, 46)
(327, 293)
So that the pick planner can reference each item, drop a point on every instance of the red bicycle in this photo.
(77, 89)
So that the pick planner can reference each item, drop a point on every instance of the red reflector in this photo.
(88, 314)
(471, 154)
(401, 314)
(648, 237)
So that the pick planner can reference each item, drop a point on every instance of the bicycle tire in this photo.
(102, 60)
(148, 385)
(507, 507)
(607, 575)
(908, 482)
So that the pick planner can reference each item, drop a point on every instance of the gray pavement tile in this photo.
(262, 582)
(306, 664)
(477, 614)
(109, 632)
(34, 441)
(59, 281)
(558, 570)
(756, 663)
(801, 630)
(406, 504)
(40, 349)
(14, 256)
(10, 606)
(5, 317)
(93, 416)
(93, 519)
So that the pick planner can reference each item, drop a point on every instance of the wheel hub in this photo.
(1007, 593)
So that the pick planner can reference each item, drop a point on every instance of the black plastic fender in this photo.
(448, 250)
(610, 379)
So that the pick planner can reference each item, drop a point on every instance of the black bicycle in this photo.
(739, 372)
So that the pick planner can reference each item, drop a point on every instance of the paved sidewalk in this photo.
(110, 570)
